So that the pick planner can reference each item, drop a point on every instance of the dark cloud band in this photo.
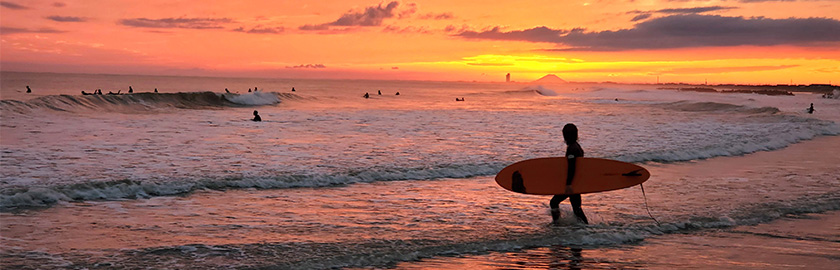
(371, 16)
(10, 5)
(66, 19)
(14, 30)
(188, 23)
(681, 31)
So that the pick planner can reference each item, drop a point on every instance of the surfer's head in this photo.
(256, 113)
(570, 133)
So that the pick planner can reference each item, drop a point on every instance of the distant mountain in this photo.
(550, 79)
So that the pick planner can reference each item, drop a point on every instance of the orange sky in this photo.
(746, 41)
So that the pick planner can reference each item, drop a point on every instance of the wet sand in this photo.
(808, 241)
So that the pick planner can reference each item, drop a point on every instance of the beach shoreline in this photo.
(172, 225)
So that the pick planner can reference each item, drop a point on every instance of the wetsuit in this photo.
(572, 151)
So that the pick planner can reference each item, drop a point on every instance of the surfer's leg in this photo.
(575, 200)
(555, 206)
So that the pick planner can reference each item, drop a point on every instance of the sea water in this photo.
(183, 178)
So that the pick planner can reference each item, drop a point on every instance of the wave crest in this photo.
(688, 106)
(142, 102)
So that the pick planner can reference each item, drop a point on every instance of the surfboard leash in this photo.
(646, 206)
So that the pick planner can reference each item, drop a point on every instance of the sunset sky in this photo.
(634, 41)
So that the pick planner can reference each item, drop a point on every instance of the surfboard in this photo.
(547, 176)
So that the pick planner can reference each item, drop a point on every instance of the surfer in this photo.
(366, 95)
(257, 117)
(227, 91)
(156, 90)
(28, 90)
(293, 89)
(130, 90)
(811, 109)
(398, 93)
(573, 151)
(380, 92)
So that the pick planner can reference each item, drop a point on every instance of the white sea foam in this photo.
(254, 98)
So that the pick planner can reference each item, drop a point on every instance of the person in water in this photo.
(257, 117)
(573, 151)
(293, 89)
(156, 90)
(28, 90)
(130, 90)
(366, 95)
(811, 109)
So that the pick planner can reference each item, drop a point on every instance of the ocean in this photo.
(183, 179)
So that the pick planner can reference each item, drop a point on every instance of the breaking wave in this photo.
(144, 102)
(688, 106)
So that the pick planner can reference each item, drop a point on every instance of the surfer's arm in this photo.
(571, 171)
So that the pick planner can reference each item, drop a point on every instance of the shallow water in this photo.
(330, 179)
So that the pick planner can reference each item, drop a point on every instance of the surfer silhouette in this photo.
(130, 90)
(573, 151)
(257, 117)
(28, 90)
(811, 109)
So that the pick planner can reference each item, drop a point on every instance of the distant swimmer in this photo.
(293, 89)
(459, 99)
(130, 90)
(398, 93)
(28, 90)
(811, 109)
(257, 117)
(380, 92)
(156, 90)
(98, 91)
(249, 90)
(255, 89)
(226, 91)
(366, 95)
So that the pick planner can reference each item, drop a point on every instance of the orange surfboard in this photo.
(547, 176)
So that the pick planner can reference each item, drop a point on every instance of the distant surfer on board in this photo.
(573, 151)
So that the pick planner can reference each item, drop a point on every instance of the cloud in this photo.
(371, 16)
(406, 30)
(7, 4)
(66, 19)
(437, 16)
(537, 34)
(14, 30)
(642, 15)
(259, 29)
(313, 66)
(694, 10)
(681, 31)
(187, 23)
